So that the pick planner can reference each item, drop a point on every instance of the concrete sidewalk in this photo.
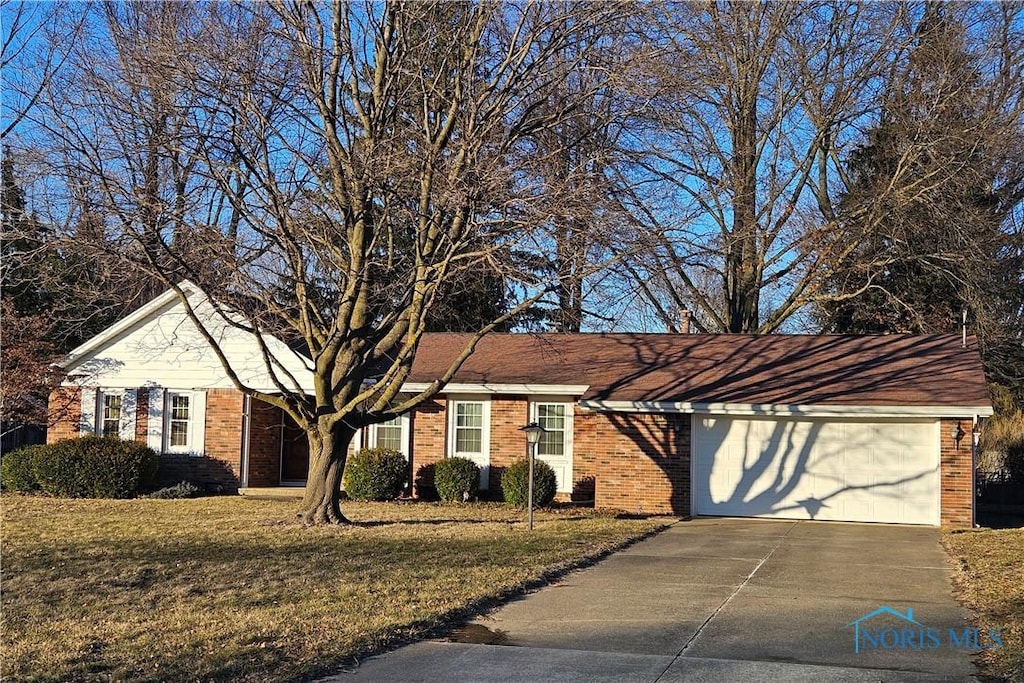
(710, 600)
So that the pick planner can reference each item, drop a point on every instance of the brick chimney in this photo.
(684, 321)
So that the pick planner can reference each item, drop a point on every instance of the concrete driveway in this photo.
(720, 599)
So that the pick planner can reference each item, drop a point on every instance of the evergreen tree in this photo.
(22, 240)
(932, 193)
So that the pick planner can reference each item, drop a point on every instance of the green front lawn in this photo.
(990, 581)
(234, 589)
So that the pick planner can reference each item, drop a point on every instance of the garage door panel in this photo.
(817, 469)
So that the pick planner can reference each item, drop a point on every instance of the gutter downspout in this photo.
(975, 439)
(280, 451)
(246, 433)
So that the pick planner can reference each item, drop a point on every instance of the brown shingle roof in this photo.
(890, 370)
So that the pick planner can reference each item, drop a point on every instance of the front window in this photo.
(389, 434)
(551, 416)
(110, 420)
(178, 421)
(469, 427)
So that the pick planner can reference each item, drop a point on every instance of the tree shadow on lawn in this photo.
(250, 573)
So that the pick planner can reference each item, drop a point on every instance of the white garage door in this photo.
(855, 471)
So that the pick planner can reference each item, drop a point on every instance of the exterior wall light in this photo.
(957, 434)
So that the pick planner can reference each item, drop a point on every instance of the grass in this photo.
(990, 581)
(235, 589)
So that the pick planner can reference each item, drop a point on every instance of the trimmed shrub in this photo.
(515, 483)
(60, 469)
(376, 474)
(184, 489)
(95, 467)
(17, 470)
(456, 477)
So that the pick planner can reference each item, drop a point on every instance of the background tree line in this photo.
(351, 177)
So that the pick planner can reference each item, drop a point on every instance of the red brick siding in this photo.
(585, 454)
(218, 469)
(224, 427)
(640, 462)
(426, 440)
(428, 425)
(426, 443)
(956, 475)
(508, 444)
(264, 444)
(142, 416)
(65, 410)
(209, 473)
(66, 414)
(636, 461)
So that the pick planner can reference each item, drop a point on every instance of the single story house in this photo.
(829, 427)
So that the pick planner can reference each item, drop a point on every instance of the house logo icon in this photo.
(884, 609)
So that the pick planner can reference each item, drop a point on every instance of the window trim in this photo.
(92, 419)
(485, 428)
(169, 397)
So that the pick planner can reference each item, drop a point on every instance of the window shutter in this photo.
(198, 420)
(87, 422)
(406, 434)
(129, 404)
(155, 420)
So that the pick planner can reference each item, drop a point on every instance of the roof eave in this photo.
(781, 410)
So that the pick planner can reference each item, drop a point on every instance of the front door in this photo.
(555, 445)
(469, 433)
(294, 453)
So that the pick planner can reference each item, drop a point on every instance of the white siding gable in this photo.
(160, 346)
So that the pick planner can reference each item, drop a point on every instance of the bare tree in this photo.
(752, 106)
(29, 54)
(584, 224)
(322, 170)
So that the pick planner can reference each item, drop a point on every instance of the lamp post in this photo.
(533, 432)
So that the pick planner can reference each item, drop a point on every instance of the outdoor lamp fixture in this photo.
(976, 433)
(957, 434)
(533, 432)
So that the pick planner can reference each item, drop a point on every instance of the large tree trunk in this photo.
(328, 450)
(743, 253)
